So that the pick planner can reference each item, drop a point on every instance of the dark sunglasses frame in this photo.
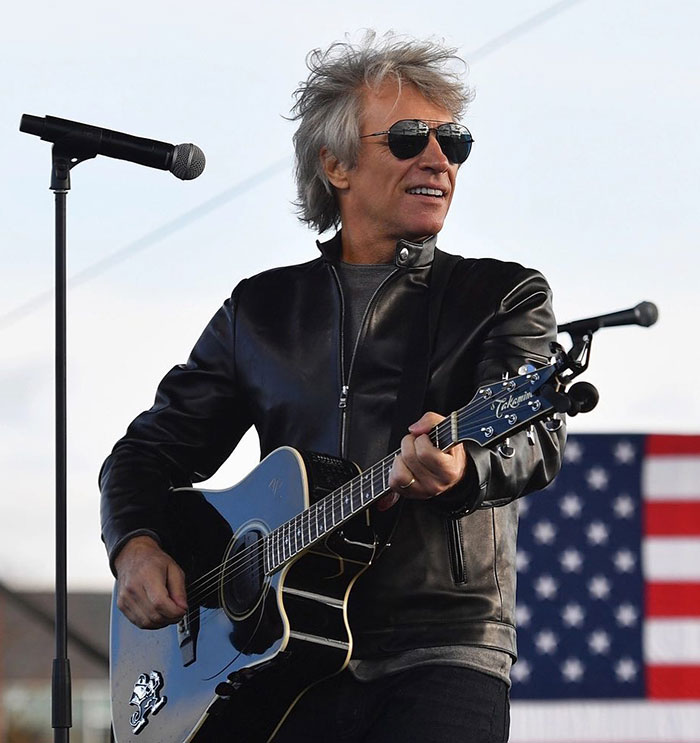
(409, 137)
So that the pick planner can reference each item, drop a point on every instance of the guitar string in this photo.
(203, 585)
(228, 569)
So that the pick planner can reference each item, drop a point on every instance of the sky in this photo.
(585, 166)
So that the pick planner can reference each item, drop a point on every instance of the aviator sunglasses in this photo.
(409, 137)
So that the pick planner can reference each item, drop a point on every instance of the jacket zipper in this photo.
(454, 534)
(345, 383)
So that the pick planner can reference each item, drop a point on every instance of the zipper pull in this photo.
(342, 403)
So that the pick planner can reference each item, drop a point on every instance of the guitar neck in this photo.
(495, 411)
(294, 536)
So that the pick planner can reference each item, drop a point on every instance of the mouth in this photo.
(426, 191)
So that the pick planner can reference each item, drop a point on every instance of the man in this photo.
(314, 356)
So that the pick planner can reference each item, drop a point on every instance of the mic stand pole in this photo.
(61, 719)
(63, 158)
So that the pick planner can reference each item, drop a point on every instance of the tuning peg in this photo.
(553, 424)
(506, 450)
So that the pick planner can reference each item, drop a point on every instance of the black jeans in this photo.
(427, 704)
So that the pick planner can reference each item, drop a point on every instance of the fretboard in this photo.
(289, 539)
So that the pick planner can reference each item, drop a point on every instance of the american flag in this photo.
(608, 601)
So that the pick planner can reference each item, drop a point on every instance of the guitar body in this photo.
(253, 640)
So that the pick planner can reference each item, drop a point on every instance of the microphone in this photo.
(185, 161)
(645, 314)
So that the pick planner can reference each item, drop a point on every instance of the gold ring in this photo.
(408, 484)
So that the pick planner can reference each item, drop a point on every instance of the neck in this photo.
(361, 249)
(366, 249)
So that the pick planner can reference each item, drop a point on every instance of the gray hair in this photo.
(328, 106)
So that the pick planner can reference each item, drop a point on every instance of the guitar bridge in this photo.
(187, 630)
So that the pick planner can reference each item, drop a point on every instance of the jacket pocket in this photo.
(454, 544)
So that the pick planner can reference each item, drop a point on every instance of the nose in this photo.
(432, 157)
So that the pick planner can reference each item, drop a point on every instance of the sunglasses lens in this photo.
(408, 138)
(455, 141)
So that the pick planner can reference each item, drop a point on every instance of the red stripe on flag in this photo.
(658, 445)
(673, 682)
(672, 518)
(672, 599)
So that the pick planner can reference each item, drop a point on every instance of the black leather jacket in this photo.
(271, 357)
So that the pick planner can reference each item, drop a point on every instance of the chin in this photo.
(416, 233)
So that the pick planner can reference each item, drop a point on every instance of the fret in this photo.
(308, 528)
(313, 526)
(300, 531)
(346, 493)
(319, 525)
(332, 505)
(287, 548)
(297, 535)
(366, 489)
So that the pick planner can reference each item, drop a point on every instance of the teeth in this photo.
(423, 191)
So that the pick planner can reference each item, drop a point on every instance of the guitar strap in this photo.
(410, 400)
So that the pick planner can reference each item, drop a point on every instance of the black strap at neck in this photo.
(410, 398)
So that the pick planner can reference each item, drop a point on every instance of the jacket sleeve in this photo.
(197, 419)
(522, 328)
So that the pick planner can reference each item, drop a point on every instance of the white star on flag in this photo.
(571, 561)
(624, 452)
(623, 506)
(599, 587)
(546, 587)
(597, 532)
(544, 532)
(597, 478)
(546, 641)
(599, 642)
(572, 669)
(573, 615)
(520, 670)
(570, 505)
(624, 561)
(626, 615)
(626, 669)
(522, 561)
(523, 615)
(573, 451)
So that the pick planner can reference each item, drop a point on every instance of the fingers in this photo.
(422, 470)
(150, 585)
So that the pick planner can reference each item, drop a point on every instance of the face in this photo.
(378, 198)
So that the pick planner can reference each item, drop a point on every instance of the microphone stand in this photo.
(64, 157)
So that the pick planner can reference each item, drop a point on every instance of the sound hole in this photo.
(243, 578)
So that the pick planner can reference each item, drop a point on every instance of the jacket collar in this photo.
(407, 254)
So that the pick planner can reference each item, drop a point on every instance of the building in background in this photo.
(27, 650)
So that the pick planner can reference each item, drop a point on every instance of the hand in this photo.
(421, 470)
(150, 584)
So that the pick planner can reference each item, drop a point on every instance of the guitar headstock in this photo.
(499, 409)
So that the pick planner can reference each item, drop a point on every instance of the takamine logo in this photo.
(503, 405)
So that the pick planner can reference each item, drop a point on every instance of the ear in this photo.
(335, 171)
